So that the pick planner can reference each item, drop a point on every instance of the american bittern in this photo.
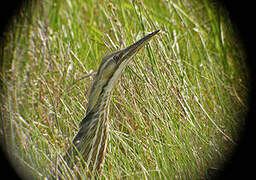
(91, 140)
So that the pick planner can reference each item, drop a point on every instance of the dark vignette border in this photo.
(241, 13)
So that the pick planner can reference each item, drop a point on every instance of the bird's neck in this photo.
(91, 139)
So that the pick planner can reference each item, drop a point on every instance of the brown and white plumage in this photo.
(91, 140)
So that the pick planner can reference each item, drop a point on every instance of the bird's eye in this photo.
(116, 57)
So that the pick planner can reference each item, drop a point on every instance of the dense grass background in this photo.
(176, 112)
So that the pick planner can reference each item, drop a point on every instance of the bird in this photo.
(90, 143)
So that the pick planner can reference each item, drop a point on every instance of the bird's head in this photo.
(111, 68)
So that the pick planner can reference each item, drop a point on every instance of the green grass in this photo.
(176, 112)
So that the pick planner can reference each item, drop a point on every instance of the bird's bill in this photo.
(131, 50)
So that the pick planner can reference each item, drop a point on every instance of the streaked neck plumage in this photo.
(91, 140)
